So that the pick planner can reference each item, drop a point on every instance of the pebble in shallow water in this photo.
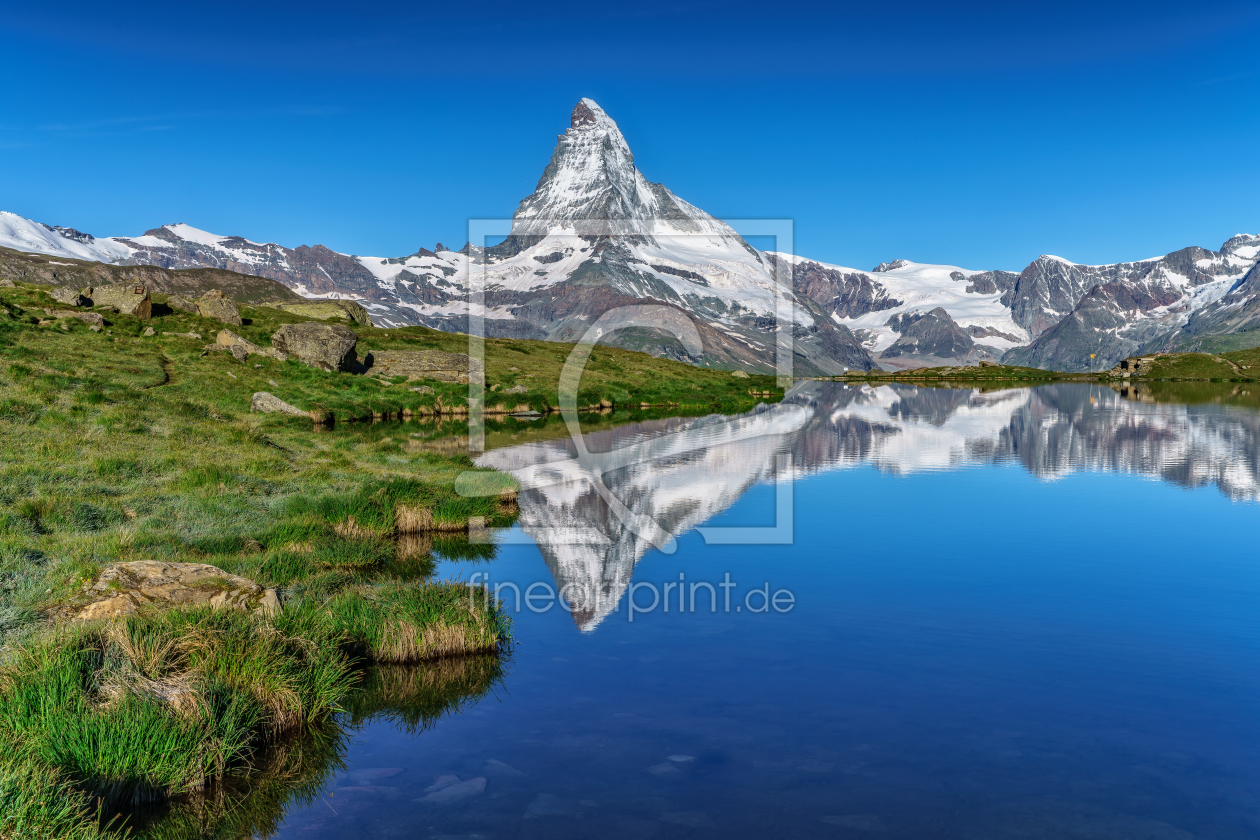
(447, 789)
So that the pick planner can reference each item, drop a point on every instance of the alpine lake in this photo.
(861, 612)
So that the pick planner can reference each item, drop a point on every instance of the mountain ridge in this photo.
(596, 233)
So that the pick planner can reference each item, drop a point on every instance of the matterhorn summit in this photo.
(596, 234)
(592, 178)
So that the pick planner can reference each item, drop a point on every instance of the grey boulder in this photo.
(325, 346)
(183, 304)
(213, 304)
(70, 296)
(268, 403)
(125, 298)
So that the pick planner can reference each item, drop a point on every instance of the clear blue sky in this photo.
(977, 134)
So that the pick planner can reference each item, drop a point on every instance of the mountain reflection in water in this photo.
(682, 472)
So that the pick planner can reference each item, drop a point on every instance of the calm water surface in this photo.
(1018, 614)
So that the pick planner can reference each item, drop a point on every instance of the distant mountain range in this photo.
(595, 234)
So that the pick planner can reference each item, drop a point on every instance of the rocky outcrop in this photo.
(214, 304)
(1104, 327)
(128, 588)
(844, 294)
(266, 403)
(91, 318)
(1237, 312)
(125, 298)
(71, 296)
(990, 283)
(183, 304)
(932, 334)
(325, 346)
(890, 266)
(1051, 288)
(425, 364)
(327, 310)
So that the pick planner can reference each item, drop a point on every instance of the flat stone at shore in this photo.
(124, 588)
(425, 364)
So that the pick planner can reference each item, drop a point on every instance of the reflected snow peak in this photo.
(595, 513)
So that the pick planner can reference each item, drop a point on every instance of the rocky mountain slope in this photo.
(880, 304)
(1120, 309)
(76, 273)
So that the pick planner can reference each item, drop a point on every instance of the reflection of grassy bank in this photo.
(292, 772)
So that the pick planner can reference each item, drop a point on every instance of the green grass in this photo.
(1003, 373)
(39, 803)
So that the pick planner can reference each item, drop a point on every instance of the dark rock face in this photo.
(71, 233)
(931, 333)
(843, 294)
(325, 346)
(1050, 288)
(992, 282)
(1105, 327)
(990, 332)
(1237, 312)
(889, 266)
(1128, 307)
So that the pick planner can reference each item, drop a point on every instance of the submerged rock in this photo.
(450, 789)
(494, 767)
(550, 805)
(368, 775)
(665, 768)
(688, 819)
(126, 588)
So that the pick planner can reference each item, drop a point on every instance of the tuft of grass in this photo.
(399, 623)
(39, 803)
(68, 705)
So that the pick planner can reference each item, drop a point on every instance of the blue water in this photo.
(975, 651)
